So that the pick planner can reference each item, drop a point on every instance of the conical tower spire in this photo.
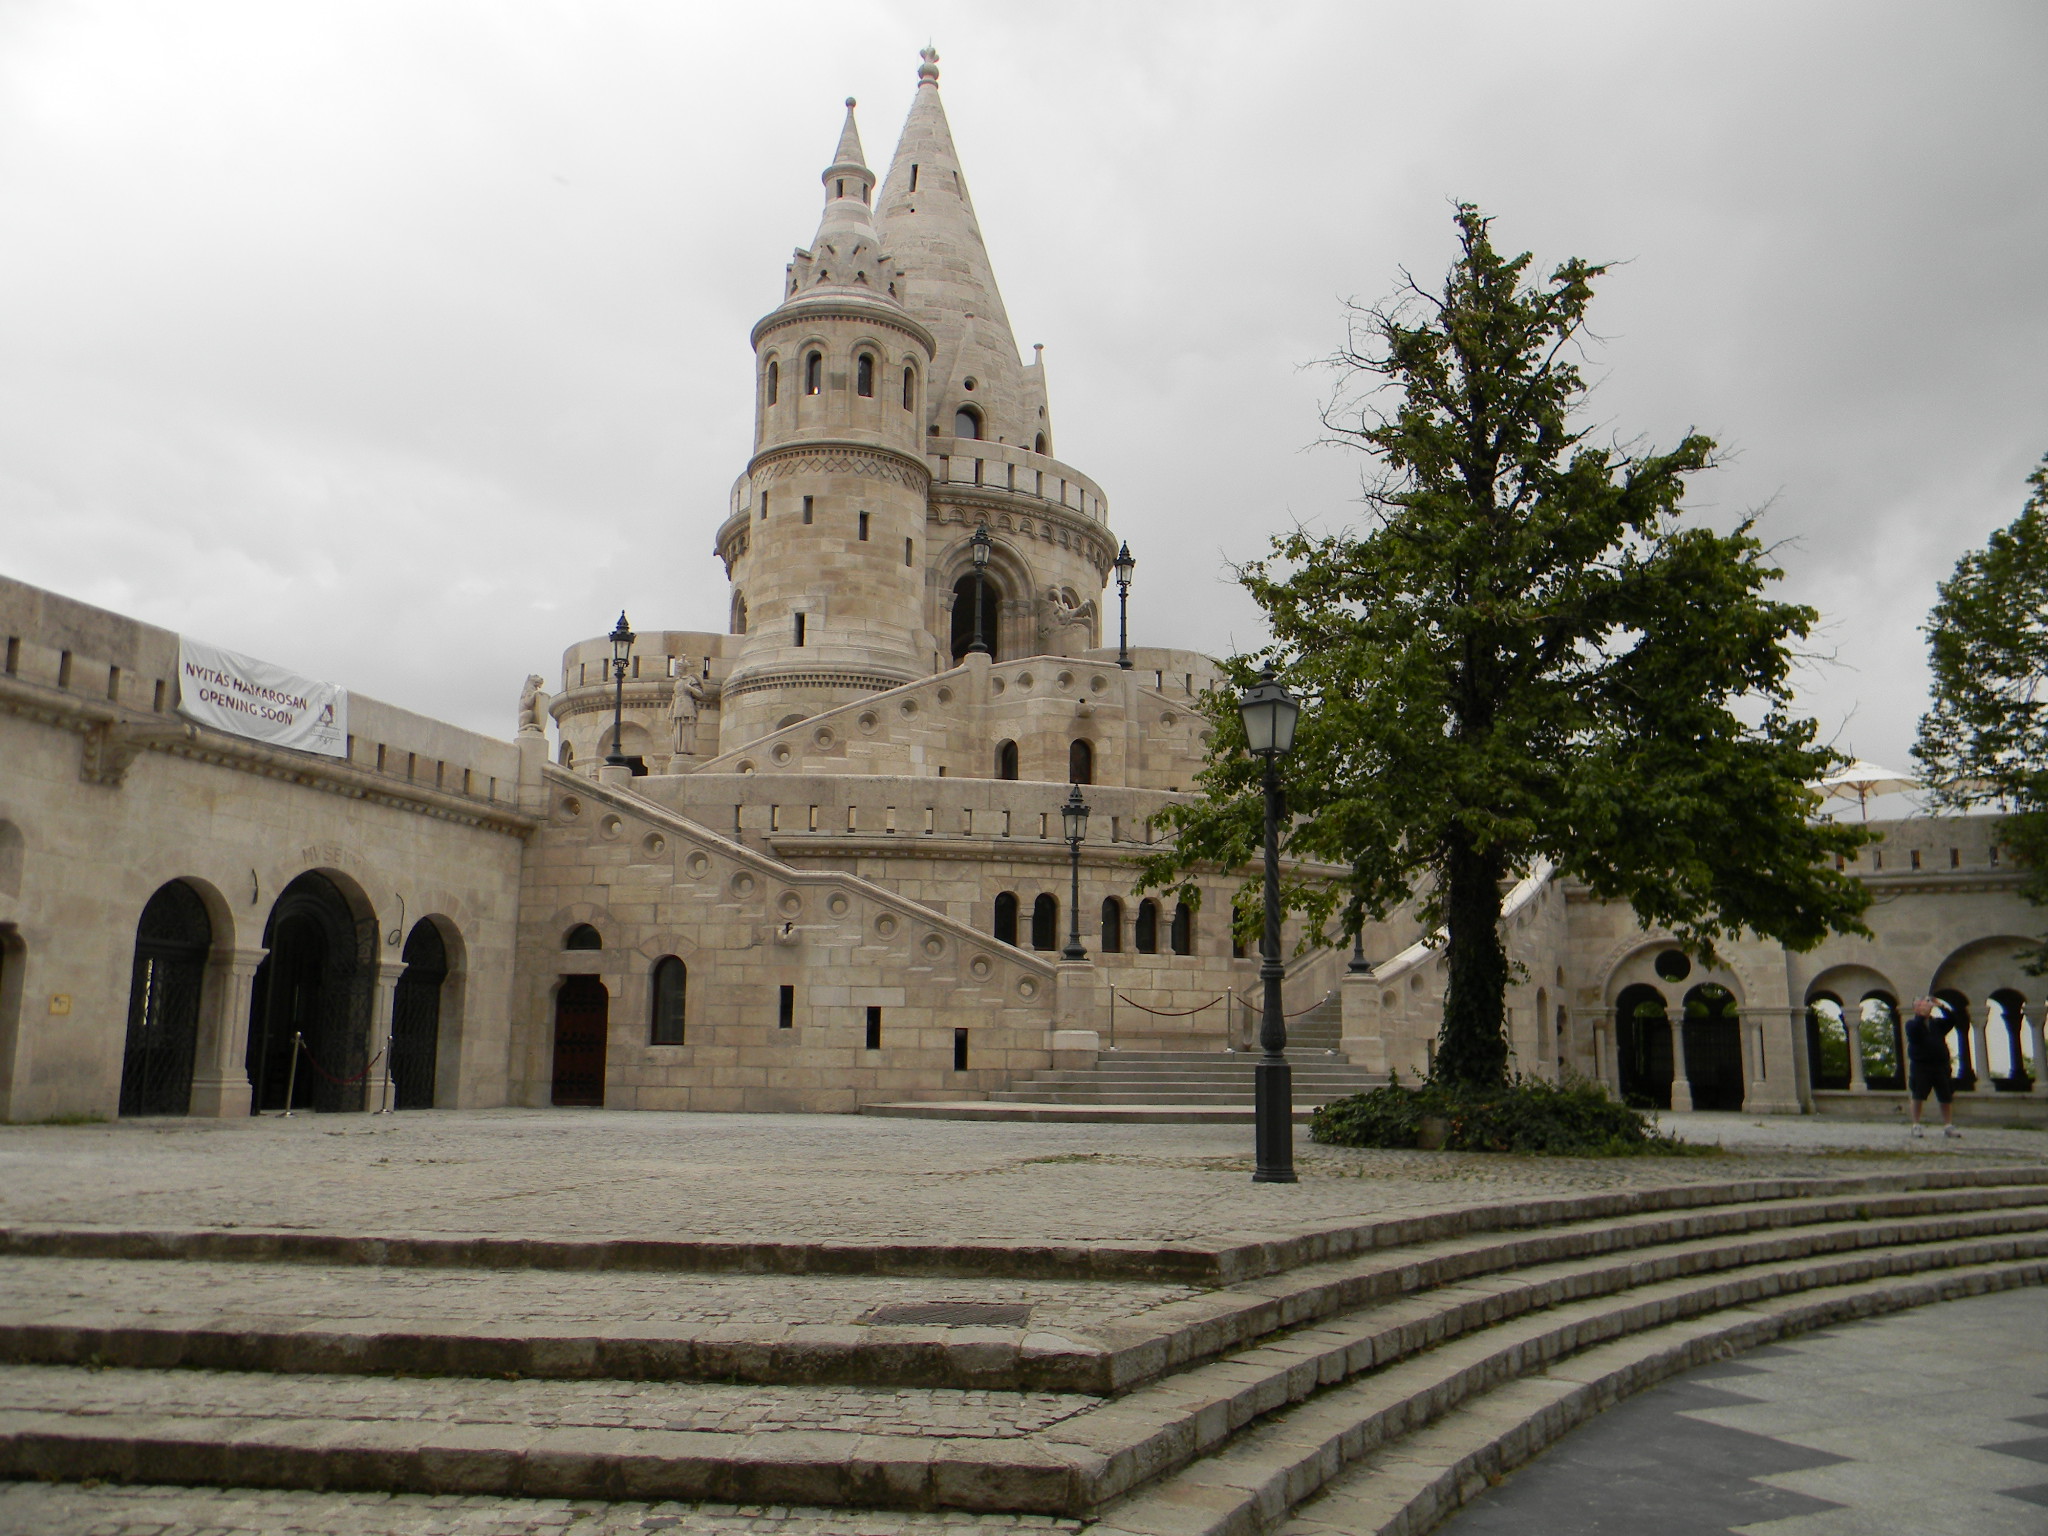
(929, 229)
(846, 253)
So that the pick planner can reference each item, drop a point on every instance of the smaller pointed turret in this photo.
(847, 251)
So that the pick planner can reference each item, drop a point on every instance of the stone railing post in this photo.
(1075, 1041)
(377, 1090)
(1365, 1046)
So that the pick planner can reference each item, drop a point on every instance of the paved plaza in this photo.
(586, 1176)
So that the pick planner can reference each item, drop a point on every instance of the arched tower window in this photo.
(1006, 917)
(1112, 926)
(814, 373)
(1045, 921)
(977, 600)
(1080, 762)
(1147, 929)
(1038, 443)
(583, 936)
(967, 422)
(1182, 935)
(909, 388)
(670, 984)
(1006, 760)
(774, 381)
(864, 377)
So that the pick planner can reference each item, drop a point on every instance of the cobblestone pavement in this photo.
(1933, 1421)
(807, 1177)
(709, 1407)
(285, 1295)
(35, 1509)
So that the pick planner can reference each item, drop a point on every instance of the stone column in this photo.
(1681, 1082)
(1364, 1046)
(220, 1075)
(2039, 1066)
(1980, 1076)
(1773, 1061)
(1852, 1032)
(377, 1090)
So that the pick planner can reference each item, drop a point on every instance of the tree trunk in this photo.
(1472, 1051)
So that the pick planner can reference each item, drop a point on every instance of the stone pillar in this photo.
(1364, 1046)
(1681, 1081)
(1852, 1032)
(1980, 1062)
(2039, 1065)
(1773, 1061)
(1603, 1054)
(220, 1071)
(1075, 1004)
(533, 756)
(377, 1090)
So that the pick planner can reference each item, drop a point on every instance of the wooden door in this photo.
(582, 1019)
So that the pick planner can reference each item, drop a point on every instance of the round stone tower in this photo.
(825, 542)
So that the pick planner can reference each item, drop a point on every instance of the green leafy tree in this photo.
(1525, 655)
(1986, 736)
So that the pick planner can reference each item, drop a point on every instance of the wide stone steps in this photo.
(1195, 1079)
(1155, 1404)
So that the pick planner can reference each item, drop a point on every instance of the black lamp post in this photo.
(1074, 818)
(1125, 564)
(622, 638)
(979, 547)
(1270, 712)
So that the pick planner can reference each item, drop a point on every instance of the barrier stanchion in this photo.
(384, 1094)
(291, 1076)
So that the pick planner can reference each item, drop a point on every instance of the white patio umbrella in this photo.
(1862, 779)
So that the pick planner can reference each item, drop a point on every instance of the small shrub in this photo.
(1573, 1119)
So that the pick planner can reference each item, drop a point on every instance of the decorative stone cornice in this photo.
(113, 737)
(880, 312)
(840, 456)
(809, 678)
(595, 698)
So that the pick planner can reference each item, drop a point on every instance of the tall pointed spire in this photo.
(928, 226)
(847, 251)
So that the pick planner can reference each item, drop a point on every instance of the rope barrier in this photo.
(339, 1082)
(1160, 1013)
(1259, 1011)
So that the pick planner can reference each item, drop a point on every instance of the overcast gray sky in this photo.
(404, 343)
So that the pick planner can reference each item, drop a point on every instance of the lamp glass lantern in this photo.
(979, 545)
(1126, 563)
(1269, 713)
(622, 638)
(1074, 815)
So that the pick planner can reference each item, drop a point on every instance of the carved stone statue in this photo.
(682, 713)
(533, 707)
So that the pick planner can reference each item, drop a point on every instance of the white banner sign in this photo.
(252, 698)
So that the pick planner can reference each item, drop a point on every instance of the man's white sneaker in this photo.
(1918, 1132)
(1951, 1132)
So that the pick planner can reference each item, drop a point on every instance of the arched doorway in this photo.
(416, 1018)
(1827, 1042)
(582, 1022)
(1883, 1046)
(1045, 922)
(977, 601)
(1080, 762)
(2005, 1040)
(1713, 1047)
(1642, 1047)
(172, 938)
(315, 985)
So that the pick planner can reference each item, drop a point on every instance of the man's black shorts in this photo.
(1925, 1080)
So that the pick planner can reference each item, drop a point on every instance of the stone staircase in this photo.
(1364, 1376)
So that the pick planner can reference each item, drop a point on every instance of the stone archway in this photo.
(416, 1017)
(309, 1009)
(1644, 1059)
(1712, 1034)
(172, 939)
(977, 610)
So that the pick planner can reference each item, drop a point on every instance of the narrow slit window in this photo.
(959, 1050)
(764, 506)
(774, 382)
(863, 527)
(800, 627)
(814, 373)
(909, 553)
(809, 508)
(874, 1028)
(913, 178)
(785, 1007)
(909, 388)
(864, 377)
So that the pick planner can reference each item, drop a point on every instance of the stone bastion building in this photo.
(832, 873)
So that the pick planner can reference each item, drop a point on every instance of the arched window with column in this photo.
(1181, 937)
(1006, 917)
(2006, 1042)
(1045, 921)
(814, 373)
(909, 388)
(1644, 1048)
(1878, 1030)
(864, 376)
(1112, 926)
(1827, 1042)
(668, 988)
(1080, 762)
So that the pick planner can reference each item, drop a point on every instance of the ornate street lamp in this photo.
(1269, 712)
(622, 638)
(1074, 818)
(979, 546)
(1125, 564)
